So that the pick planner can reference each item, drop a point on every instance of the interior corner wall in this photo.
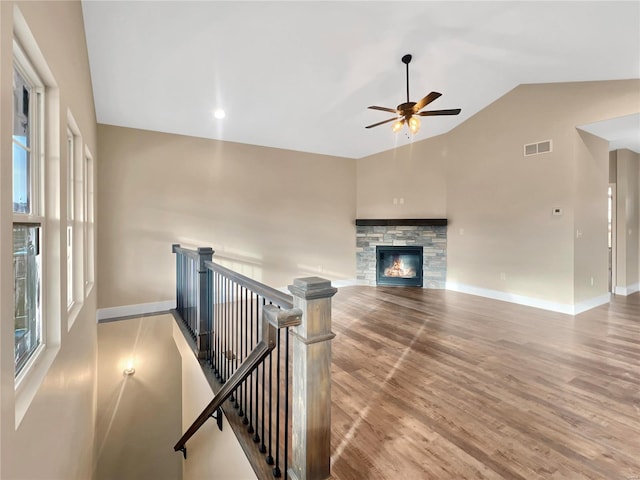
(503, 240)
(272, 215)
(55, 438)
(628, 222)
(591, 249)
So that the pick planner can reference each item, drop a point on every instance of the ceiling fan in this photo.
(409, 112)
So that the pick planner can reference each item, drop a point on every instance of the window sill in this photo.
(72, 314)
(29, 381)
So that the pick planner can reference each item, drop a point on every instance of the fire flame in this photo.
(398, 269)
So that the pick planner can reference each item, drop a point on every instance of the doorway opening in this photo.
(612, 236)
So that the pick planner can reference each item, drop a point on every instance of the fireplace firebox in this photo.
(399, 265)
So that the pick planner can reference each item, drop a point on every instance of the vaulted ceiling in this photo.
(300, 75)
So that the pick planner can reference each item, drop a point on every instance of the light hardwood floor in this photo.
(431, 384)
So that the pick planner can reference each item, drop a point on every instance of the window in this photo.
(70, 217)
(88, 210)
(75, 229)
(28, 209)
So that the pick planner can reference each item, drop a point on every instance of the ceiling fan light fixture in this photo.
(414, 124)
(397, 126)
(409, 112)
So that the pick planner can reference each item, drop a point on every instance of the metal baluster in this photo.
(216, 327)
(192, 301)
(211, 275)
(276, 469)
(226, 330)
(270, 423)
(286, 400)
(241, 355)
(247, 382)
(185, 293)
(237, 329)
(219, 330)
(209, 353)
(189, 290)
(230, 332)
(231, 335)
(179, 283)
(263, 448)
(248, 341)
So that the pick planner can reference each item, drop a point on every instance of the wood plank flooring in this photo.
(432, 384)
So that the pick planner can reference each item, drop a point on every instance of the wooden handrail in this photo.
(281, 299)
(273, 319)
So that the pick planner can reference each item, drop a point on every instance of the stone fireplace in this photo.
(428, 235)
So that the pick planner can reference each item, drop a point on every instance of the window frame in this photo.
(88, 217)
(36, 214)
(75, 201)
(70, 214)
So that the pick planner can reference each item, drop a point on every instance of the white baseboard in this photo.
(350, 282)
(624, 291)
(568, 309)
(131, 310)
(591, 303)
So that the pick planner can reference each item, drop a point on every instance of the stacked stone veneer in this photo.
(434, 252)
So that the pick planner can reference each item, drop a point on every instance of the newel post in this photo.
(205, 254)
(311, 382)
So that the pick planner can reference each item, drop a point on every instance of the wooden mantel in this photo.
(402, 222)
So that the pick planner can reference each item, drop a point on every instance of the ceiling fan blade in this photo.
(384, 109)
(426, 101)
(430, 113)
(380, 123)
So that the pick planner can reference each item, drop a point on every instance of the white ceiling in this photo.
(300, 75)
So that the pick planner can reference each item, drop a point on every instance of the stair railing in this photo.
(273, 319)
(280, 388)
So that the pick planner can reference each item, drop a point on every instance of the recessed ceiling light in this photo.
(219, 114)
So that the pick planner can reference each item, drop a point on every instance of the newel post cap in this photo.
(311, 288)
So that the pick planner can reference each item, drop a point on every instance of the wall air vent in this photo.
(537, 148)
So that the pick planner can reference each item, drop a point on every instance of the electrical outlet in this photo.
(503, 275)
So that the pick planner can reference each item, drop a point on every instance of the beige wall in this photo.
(139, 416)
(408, 182)
(53, 436)
(502, 239)
(211, 453)
(628, 222)
(270, 214)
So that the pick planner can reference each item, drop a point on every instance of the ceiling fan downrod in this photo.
(406, 59)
